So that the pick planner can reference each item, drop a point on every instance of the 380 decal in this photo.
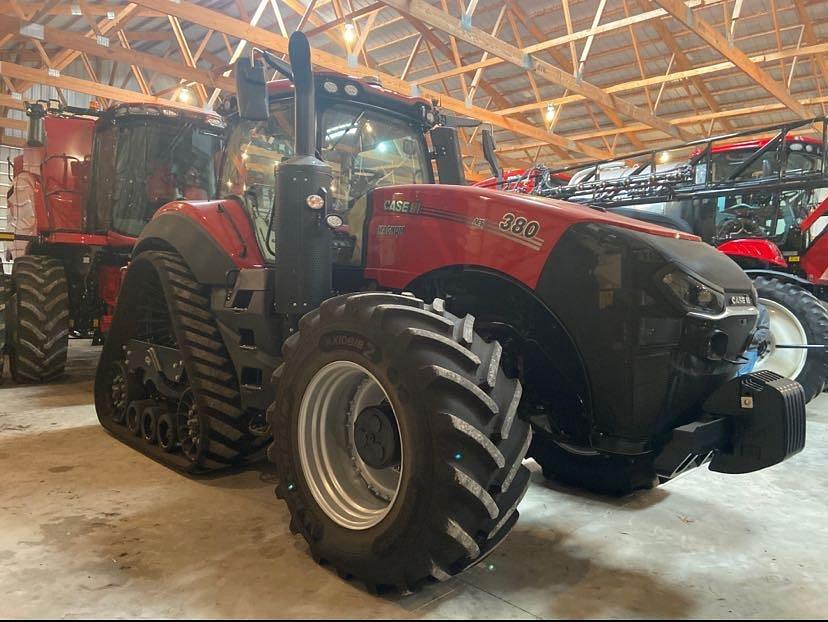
(519, 225)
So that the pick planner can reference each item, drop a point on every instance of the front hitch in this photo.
(750, 423)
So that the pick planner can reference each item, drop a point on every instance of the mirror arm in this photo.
(280, 65)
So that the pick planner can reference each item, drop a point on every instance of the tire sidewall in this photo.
(401, 527)
(813, 317)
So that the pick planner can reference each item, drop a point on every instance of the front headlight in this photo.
(692, 294)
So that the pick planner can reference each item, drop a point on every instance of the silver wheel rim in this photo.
(351, 493)
(785, 329)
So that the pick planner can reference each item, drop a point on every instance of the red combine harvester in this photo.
(277, 314)
(84, 187)
(763, 202)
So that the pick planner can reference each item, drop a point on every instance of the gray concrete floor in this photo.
(90, 528)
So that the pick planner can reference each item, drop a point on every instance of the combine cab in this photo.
(85, 186)
(393, 342)
(762, 202)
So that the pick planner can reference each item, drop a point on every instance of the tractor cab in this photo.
(146, 155)
(369, 136)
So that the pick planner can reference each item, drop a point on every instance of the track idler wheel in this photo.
(120, 392)
(149, 424)
(167, 437)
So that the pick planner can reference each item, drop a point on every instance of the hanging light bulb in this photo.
(185, 95)
(350, 33)
(550, 113)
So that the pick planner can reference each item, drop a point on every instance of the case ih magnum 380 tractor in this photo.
(84, 187)
(760, 201)
(394, 342)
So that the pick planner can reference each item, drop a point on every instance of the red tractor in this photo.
(84, 187)
(763, 202)
(394, 342)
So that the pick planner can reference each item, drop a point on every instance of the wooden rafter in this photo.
(483, 40)
(683, 13)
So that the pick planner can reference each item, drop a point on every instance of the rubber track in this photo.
(209, 367)
(40, 340)
(479, 496)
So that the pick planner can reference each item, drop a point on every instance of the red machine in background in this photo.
(83, 188)
(763, 202)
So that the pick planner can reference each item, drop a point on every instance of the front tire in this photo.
(39, 332)
(796, 318)
(442, 489)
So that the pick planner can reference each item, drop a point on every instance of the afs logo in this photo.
(401, 206)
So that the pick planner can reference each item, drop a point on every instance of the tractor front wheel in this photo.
(797, 318)
(396, 439)
(38, 319)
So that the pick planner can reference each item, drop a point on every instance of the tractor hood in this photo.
(512, 234)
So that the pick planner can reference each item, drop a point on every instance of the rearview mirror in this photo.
(447, 154)
(489, 148)
(251, 90)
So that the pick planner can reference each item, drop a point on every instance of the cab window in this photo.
(367, 149)
(254, 150)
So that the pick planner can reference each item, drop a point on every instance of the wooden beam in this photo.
(676, 76)
(483, 40)
(272, 41)
(81, 44)
(39, 76)
(7, 101)
(12, 141)
(557, 42)
(684, 14)
(14, 124)
(686, 120)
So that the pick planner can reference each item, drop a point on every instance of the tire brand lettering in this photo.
(348, 341)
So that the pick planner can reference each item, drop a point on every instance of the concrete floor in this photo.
(89, 528)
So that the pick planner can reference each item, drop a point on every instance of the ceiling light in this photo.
(185, 95)
(350, 33)
(664, 157)
(550, 113)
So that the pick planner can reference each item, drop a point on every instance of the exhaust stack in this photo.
(303, 240)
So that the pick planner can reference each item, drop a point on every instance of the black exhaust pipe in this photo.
(305, 95)
(303, 239)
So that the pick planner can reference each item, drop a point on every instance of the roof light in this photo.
(350, 32)
(664, 157)
(550, 113)
(185, 95)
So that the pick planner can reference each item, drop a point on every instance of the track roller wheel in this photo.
(149, 424)
(396, 439)
(161, 303)
(167, 437)
(134, 415)
(39, 319)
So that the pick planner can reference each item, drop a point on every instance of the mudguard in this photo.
(214, 238)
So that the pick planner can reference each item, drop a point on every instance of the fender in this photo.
(754, 249)
(785, 277)
(213, 237)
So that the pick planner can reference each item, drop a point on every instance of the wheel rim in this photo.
(351, 493)
(785, 329)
